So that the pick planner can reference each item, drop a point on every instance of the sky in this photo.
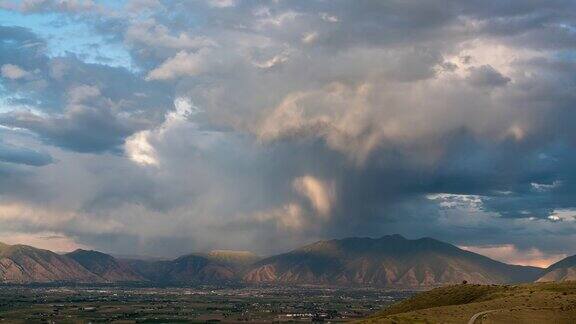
(150, 127)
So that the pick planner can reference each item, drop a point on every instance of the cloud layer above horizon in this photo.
(165, 127)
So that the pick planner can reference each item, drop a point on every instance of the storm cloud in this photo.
(263, 125)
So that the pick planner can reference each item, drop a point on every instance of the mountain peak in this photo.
(236, 259)
(563, 270)
(87, 252)
(80, 251)
(104, 265)
(393, 237)
(231, 253)
(27, 264)
(391, 260)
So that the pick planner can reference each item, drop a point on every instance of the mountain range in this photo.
(106, 267)
(390, 261)
(25, 264)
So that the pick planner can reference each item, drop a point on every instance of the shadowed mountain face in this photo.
(25, 264)
(105, 266)
(563, 270)
(236, 259)
(185, 270)
(391, 261)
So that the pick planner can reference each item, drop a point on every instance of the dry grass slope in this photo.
(528, 303)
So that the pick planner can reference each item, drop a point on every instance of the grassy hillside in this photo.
(529, 303)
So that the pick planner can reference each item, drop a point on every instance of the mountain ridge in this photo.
(563, 270)
(105, 266)
(187, 269)
(391, 261)
(26, 264)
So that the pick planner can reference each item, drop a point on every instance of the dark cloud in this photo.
(265, 124)
(487, 76)
(21, 47)
(19, 155)
(121, 104)
(84, 129)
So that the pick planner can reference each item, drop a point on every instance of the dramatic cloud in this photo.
(43, 240)
(183, 64)
(14, 154)
(510, 254)
(189, 125)
(320, 194)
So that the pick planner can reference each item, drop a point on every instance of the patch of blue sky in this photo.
(8, 102)
(113, 4)
(567, 56)
(66, 36)
(4, 105)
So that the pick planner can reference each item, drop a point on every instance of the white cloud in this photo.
(273, 62)
(310, 37)
(544, 187)
(182, 64)
(222, 3)
(152, 34)
(50, 218)
(457, 201)
(563, 215)
(76, 5)
(508, 253)
(293, 216)
(138, 147)
(53, 241)
(288, 217)
(67, 6)
(328, 17)
(490, 52)
(14, 72)
(16, 211)
(320, 194)
(268, 19)
(516, 132)
(81, 93)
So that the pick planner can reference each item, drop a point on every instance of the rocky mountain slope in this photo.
(25, 264)
(391, 261)
(237, 259)
(105, 266)
(563, 270)
(185, 270)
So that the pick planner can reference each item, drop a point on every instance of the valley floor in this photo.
(24, 304)
(528, 303)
